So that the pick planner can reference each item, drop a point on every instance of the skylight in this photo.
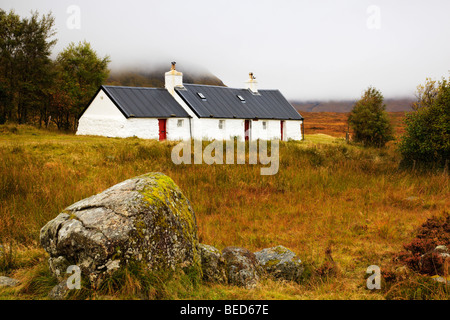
(241, 98)
(201, 95)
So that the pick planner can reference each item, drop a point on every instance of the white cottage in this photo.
(189, 111)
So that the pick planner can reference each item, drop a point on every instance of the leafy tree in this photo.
(427, 137)
(369, 120)
(425, 94)
(25, 47)
(80, 73)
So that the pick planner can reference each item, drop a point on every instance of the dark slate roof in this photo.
(223, 102)
(145, 102)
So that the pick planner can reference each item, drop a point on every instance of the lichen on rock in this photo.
(280, 263)
(242, 267)
(213, 264)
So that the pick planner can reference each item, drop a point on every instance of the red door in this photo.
(162, 129)
(282, 127)
(247, 130)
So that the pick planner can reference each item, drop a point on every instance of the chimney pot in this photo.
(251, 83)
(173, 79)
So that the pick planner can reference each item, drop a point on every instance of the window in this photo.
(201, 95)
(241, 98)
(221, 124)
(264, 125)
(180, 123)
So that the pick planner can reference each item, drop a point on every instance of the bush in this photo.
(435, 231)
(369, 120)
(427, 137)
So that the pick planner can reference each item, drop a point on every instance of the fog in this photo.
(309, 50)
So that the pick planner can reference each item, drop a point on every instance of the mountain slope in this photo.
(155, 78)
(392, 105)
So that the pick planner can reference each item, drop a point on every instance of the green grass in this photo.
(321, 138)
(326, 195)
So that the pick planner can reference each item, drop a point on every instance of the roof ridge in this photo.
(131, 87)
(215, 86)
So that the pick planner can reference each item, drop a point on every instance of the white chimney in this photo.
(173, 79)
(251, 83)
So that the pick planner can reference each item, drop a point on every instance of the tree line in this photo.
(34, 89)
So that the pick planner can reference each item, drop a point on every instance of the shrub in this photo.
(435, 231)
(369, 120)
(427, 137)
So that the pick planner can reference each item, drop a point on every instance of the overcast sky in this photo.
(309, 50)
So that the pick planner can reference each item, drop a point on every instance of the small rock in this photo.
(8, 282)
(213, 264)
(281, 263)
(442, 250)
(60, 291)
(441, 279)
(242, 267)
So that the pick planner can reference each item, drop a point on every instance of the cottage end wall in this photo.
(101, 118)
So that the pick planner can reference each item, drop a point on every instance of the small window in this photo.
(264, 125)
(221, 124)
(201, 95)
(241, 98)
(180, 123)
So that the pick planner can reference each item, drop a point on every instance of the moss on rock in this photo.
(280, 263)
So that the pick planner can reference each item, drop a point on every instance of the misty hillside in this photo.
(155, 78)
(392, 105)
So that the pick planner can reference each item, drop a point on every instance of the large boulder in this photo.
(280, 263)
(146, 219)
(242, 267)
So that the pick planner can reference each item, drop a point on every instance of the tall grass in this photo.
(325, 194)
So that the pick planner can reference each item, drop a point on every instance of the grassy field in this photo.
(335, 123)
(340, 207)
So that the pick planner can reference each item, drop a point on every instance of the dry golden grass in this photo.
(327, 195)
(335, 123)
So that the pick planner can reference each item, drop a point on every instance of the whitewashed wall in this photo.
(272, 131)
(208, 129)
(178, 133)
(292, 130)
(145, 128)
(102, 118)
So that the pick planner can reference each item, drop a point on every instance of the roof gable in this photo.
(223, 102)
(142, 102)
